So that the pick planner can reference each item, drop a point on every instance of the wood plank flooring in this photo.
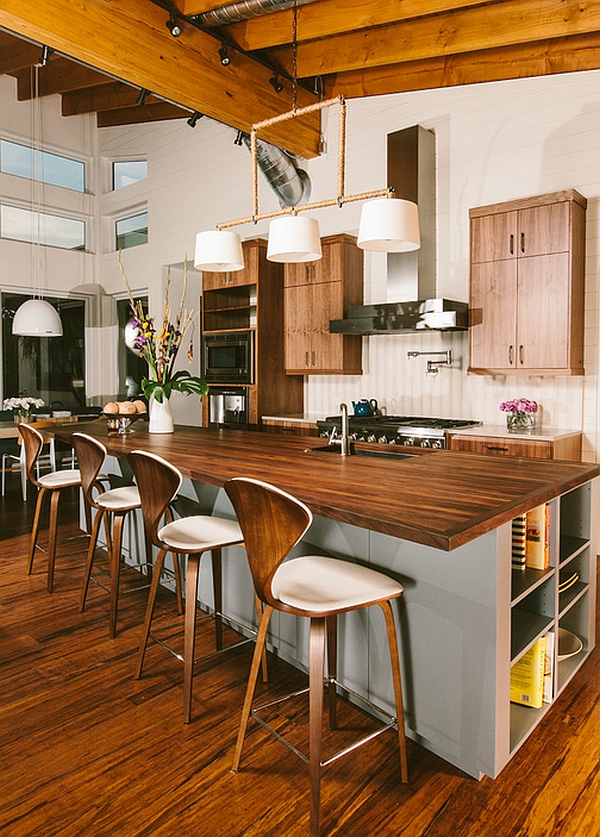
(87, 751)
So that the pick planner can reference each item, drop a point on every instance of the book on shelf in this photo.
(518, 542)
(537, 538)
(527, 676)
(549, 667)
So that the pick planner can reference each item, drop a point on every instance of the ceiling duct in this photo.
(412, 304)
(290, 183)
(243, 10)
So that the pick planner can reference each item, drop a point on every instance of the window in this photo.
(54, 169)
(129, 171)
(52, 368)
(54, 230)
(132, 231)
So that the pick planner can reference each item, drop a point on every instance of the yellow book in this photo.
(535, 538)
(527, 676)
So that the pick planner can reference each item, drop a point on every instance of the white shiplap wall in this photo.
(494, 142)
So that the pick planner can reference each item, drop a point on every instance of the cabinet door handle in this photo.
(496, 447)
(510, 355)
(307, 359)
(313, 360)
(521, 355)
(522, 242)
(512, 244)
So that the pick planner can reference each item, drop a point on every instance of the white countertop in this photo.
(542, 434)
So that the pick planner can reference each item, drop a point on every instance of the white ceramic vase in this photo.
(160, 417)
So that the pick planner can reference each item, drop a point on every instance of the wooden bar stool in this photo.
(116, 503)
(53, 482)
(158, 482)
(318, 588)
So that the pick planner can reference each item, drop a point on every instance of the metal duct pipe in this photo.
(243, 10)
(290, 183)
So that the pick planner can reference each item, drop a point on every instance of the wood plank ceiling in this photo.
(105, 53)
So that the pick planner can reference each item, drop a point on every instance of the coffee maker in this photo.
(228, 407)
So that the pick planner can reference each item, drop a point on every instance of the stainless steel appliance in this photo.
(228, 358)
(411, 431)
(228, 407)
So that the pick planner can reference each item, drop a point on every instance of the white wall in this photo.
(494, 142)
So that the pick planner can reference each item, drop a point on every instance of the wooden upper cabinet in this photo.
(315, 293)
(246, 276)
(527, 286)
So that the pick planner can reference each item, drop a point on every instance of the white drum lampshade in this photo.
(389, 225)
(294, 238)
(37, 318)
(219, 251)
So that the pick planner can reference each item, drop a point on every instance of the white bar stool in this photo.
(318, 588)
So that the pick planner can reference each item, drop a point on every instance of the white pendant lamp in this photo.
(219, 251)
(37, 318)
(389, 225)
(294, 238)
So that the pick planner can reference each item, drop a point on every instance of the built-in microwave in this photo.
(228, 358)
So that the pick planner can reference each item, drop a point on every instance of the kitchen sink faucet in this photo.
(345, 437)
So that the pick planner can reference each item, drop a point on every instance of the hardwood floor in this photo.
(86, 750)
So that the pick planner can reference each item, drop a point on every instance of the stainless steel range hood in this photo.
(412, 304)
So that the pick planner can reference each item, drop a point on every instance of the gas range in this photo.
(411, 431)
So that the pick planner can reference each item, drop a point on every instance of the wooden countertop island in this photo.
(440, 498)
(441, 523)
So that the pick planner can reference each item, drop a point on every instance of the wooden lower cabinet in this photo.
(289, 428)
(568, 447)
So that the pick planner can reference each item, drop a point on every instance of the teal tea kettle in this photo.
(365, 407)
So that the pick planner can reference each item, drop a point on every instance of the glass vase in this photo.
(520, 422)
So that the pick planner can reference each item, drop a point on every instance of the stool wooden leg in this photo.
(52, 533)
(89, 562)
(265, 665)
(115, 570)
(34, 529)
(259, 648)
(149, 611)
(217, 574)
(316, 665)
(331, 627)
(395, 660)
(177, 572)
(189, 643)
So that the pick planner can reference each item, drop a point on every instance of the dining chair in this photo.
(112, 507)
(319, 588)
(52, 483)
(158, 482)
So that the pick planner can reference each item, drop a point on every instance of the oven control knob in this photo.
(426, 443)
(438, 444)
(371, 437)
(393, 441)
(354, 436)
(409, 441)
(382, 440)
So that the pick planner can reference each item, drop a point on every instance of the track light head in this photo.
(194, 118)
(239, 138)
(224, 55)
(173, 27)
(141, 99)
(45, 56)
(275, 83)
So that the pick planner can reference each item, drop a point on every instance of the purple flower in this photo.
(519, 405)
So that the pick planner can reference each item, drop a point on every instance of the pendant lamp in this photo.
(219, 251)
(36, 317)
(389, 225)
(294, 238)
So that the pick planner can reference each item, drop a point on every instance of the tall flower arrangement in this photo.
(160, 345)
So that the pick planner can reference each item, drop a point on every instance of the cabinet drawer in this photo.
(499, 446)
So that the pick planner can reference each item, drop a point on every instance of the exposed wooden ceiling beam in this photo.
(128, 39)
(16, 55)
(563, 55)
(147, 113)
(490, 26)
(58, 76)
(111, 96)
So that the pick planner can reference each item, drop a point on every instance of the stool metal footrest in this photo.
(389, 722)
(199, 618)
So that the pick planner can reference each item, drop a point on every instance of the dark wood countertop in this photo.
(439, 498)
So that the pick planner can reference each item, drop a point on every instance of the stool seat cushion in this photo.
(60, 479)
(119, 499)
(200, 532)
(315, 584)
